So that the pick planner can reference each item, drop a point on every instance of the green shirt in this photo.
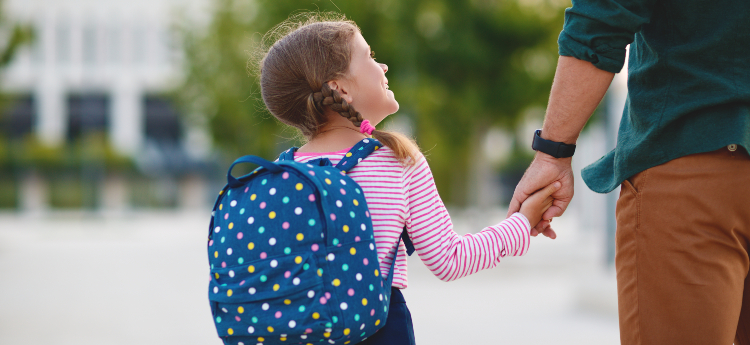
(688, 77)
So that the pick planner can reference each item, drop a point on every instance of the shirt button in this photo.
(732, 147)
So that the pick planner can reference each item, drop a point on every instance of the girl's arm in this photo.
(447, 254)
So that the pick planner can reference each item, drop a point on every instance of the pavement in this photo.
(141, 278)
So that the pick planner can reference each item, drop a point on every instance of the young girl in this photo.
(313, 78)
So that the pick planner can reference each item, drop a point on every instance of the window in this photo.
(162, 120)
(87, 113)
(17, 116)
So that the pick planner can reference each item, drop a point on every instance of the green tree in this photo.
(13, 36)
(457, 67)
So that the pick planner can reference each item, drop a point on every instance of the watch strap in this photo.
(552, 148)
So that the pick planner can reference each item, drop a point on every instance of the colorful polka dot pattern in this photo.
(293, 257)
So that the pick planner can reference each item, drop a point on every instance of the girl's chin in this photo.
(374, 120)
(392, 97)
(394, 108)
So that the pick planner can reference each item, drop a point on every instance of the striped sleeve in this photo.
(447, 254)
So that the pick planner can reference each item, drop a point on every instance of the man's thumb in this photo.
(514, 207)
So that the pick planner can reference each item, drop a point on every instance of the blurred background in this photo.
(118, 120)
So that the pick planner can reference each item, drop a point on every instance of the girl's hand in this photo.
(536, 204)
(543, 171)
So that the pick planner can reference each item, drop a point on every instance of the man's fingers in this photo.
(556, 210)
(547, 203)
(533, 232)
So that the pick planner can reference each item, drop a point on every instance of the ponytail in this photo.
(403, 147)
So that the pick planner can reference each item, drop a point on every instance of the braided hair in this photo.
(332, 98)
(305, 52)
(404, 148)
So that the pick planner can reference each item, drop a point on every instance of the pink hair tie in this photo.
(366, 127)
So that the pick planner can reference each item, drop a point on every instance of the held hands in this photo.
(543, 172)
(536, 204)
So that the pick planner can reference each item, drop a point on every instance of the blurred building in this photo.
(104, 66)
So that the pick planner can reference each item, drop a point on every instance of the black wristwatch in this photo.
(552, 148)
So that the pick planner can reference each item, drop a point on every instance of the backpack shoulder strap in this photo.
(288, 155)
(409, 250)
(357, 153)
(407, 242)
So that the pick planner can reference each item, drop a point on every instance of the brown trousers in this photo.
(682, 252)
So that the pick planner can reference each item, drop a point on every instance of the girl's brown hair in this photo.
(306, 51)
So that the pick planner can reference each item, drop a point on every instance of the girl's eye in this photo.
(372, 54)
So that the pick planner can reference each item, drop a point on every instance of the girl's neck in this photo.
(334, 137)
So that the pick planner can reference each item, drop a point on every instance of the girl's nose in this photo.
(384, 67)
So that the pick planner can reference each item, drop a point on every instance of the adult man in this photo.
(683, 216)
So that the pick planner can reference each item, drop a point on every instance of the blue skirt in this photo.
(398, 329)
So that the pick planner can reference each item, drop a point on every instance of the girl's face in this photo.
(366, 87)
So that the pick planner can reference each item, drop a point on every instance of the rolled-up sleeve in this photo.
(599, 31)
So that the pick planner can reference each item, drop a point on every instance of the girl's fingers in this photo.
(547, 191)
(550, 233)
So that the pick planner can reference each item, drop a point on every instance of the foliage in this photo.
(72, 169)
(8, 191)
(14, 36)
(92, 150)
(457, 67)
(218, 92)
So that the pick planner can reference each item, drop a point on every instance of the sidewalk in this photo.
(142, 279)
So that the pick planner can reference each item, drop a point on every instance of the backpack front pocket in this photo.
(270, 301)
(264, 279)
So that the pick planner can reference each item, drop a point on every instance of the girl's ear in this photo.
(342, 87)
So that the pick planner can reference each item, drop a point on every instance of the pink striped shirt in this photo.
(401, 196)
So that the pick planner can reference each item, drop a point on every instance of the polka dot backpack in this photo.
(293, 257)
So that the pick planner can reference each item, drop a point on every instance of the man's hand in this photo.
(543, 171)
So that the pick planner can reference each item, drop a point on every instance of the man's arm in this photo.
(577, 89)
